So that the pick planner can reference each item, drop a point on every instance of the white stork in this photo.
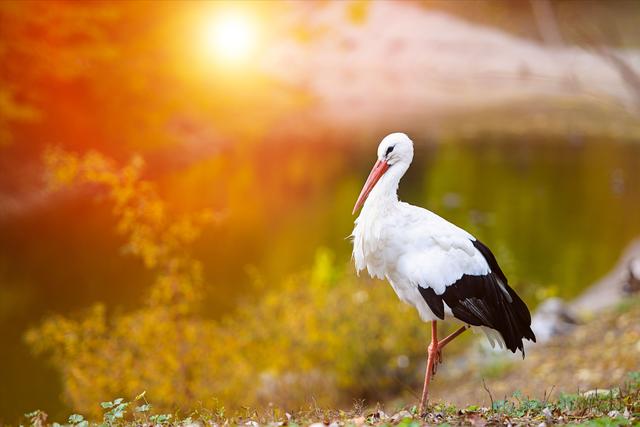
(433, 265)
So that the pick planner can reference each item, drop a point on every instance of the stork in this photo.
(433, 265)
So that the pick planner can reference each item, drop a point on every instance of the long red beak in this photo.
(378, 170)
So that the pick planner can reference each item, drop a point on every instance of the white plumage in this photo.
(433, 265)
(410, 246)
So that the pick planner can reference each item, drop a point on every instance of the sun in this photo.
(230, 37)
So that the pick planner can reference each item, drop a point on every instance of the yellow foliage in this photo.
(321, 335)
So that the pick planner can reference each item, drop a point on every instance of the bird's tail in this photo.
(517, 321)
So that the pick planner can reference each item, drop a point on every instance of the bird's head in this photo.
(395, 150)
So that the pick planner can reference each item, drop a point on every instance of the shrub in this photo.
(320, 335)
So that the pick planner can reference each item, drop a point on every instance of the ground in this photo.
(590, 377)
(599, 353)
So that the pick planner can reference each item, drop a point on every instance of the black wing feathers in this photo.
(485, 301)
(434, 301)
(491, 260)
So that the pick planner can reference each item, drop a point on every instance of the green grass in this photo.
(616, 407)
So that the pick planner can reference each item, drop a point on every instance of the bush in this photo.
(321, 335)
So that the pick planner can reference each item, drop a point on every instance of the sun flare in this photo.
(230, 37)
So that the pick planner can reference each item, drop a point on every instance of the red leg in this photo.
(450, 338)
(434, 356)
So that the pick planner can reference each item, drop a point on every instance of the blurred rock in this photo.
(611, 289)
(632, 284)
(555, 317)
(378, 415)
(552, 318)
(400, 416)
(601, 393)
(358, 421)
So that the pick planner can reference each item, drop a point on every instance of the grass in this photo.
(614, 407)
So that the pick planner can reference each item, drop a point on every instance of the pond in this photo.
(556, 214)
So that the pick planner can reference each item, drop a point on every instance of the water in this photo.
(557, 214)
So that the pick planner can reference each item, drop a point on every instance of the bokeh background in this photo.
(176, 182)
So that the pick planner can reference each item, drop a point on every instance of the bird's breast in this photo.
(375, 248)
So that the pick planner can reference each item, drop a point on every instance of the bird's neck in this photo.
(384, 195)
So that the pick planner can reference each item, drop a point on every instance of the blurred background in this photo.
(177, 178)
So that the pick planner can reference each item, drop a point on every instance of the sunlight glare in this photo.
(230, 37)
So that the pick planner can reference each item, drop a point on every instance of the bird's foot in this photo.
(436, 353)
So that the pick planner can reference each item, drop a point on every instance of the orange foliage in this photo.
(156, 347)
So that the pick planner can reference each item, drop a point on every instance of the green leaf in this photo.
(160, 418)
(75, 418)
(143, 408)
(106, 405)
(118, 401)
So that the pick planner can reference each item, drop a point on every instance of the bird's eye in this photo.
(389, 150)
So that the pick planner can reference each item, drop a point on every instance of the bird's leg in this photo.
(444, 342)
(434, 356)
(450, 338)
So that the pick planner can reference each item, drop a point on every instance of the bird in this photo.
(431, 264)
